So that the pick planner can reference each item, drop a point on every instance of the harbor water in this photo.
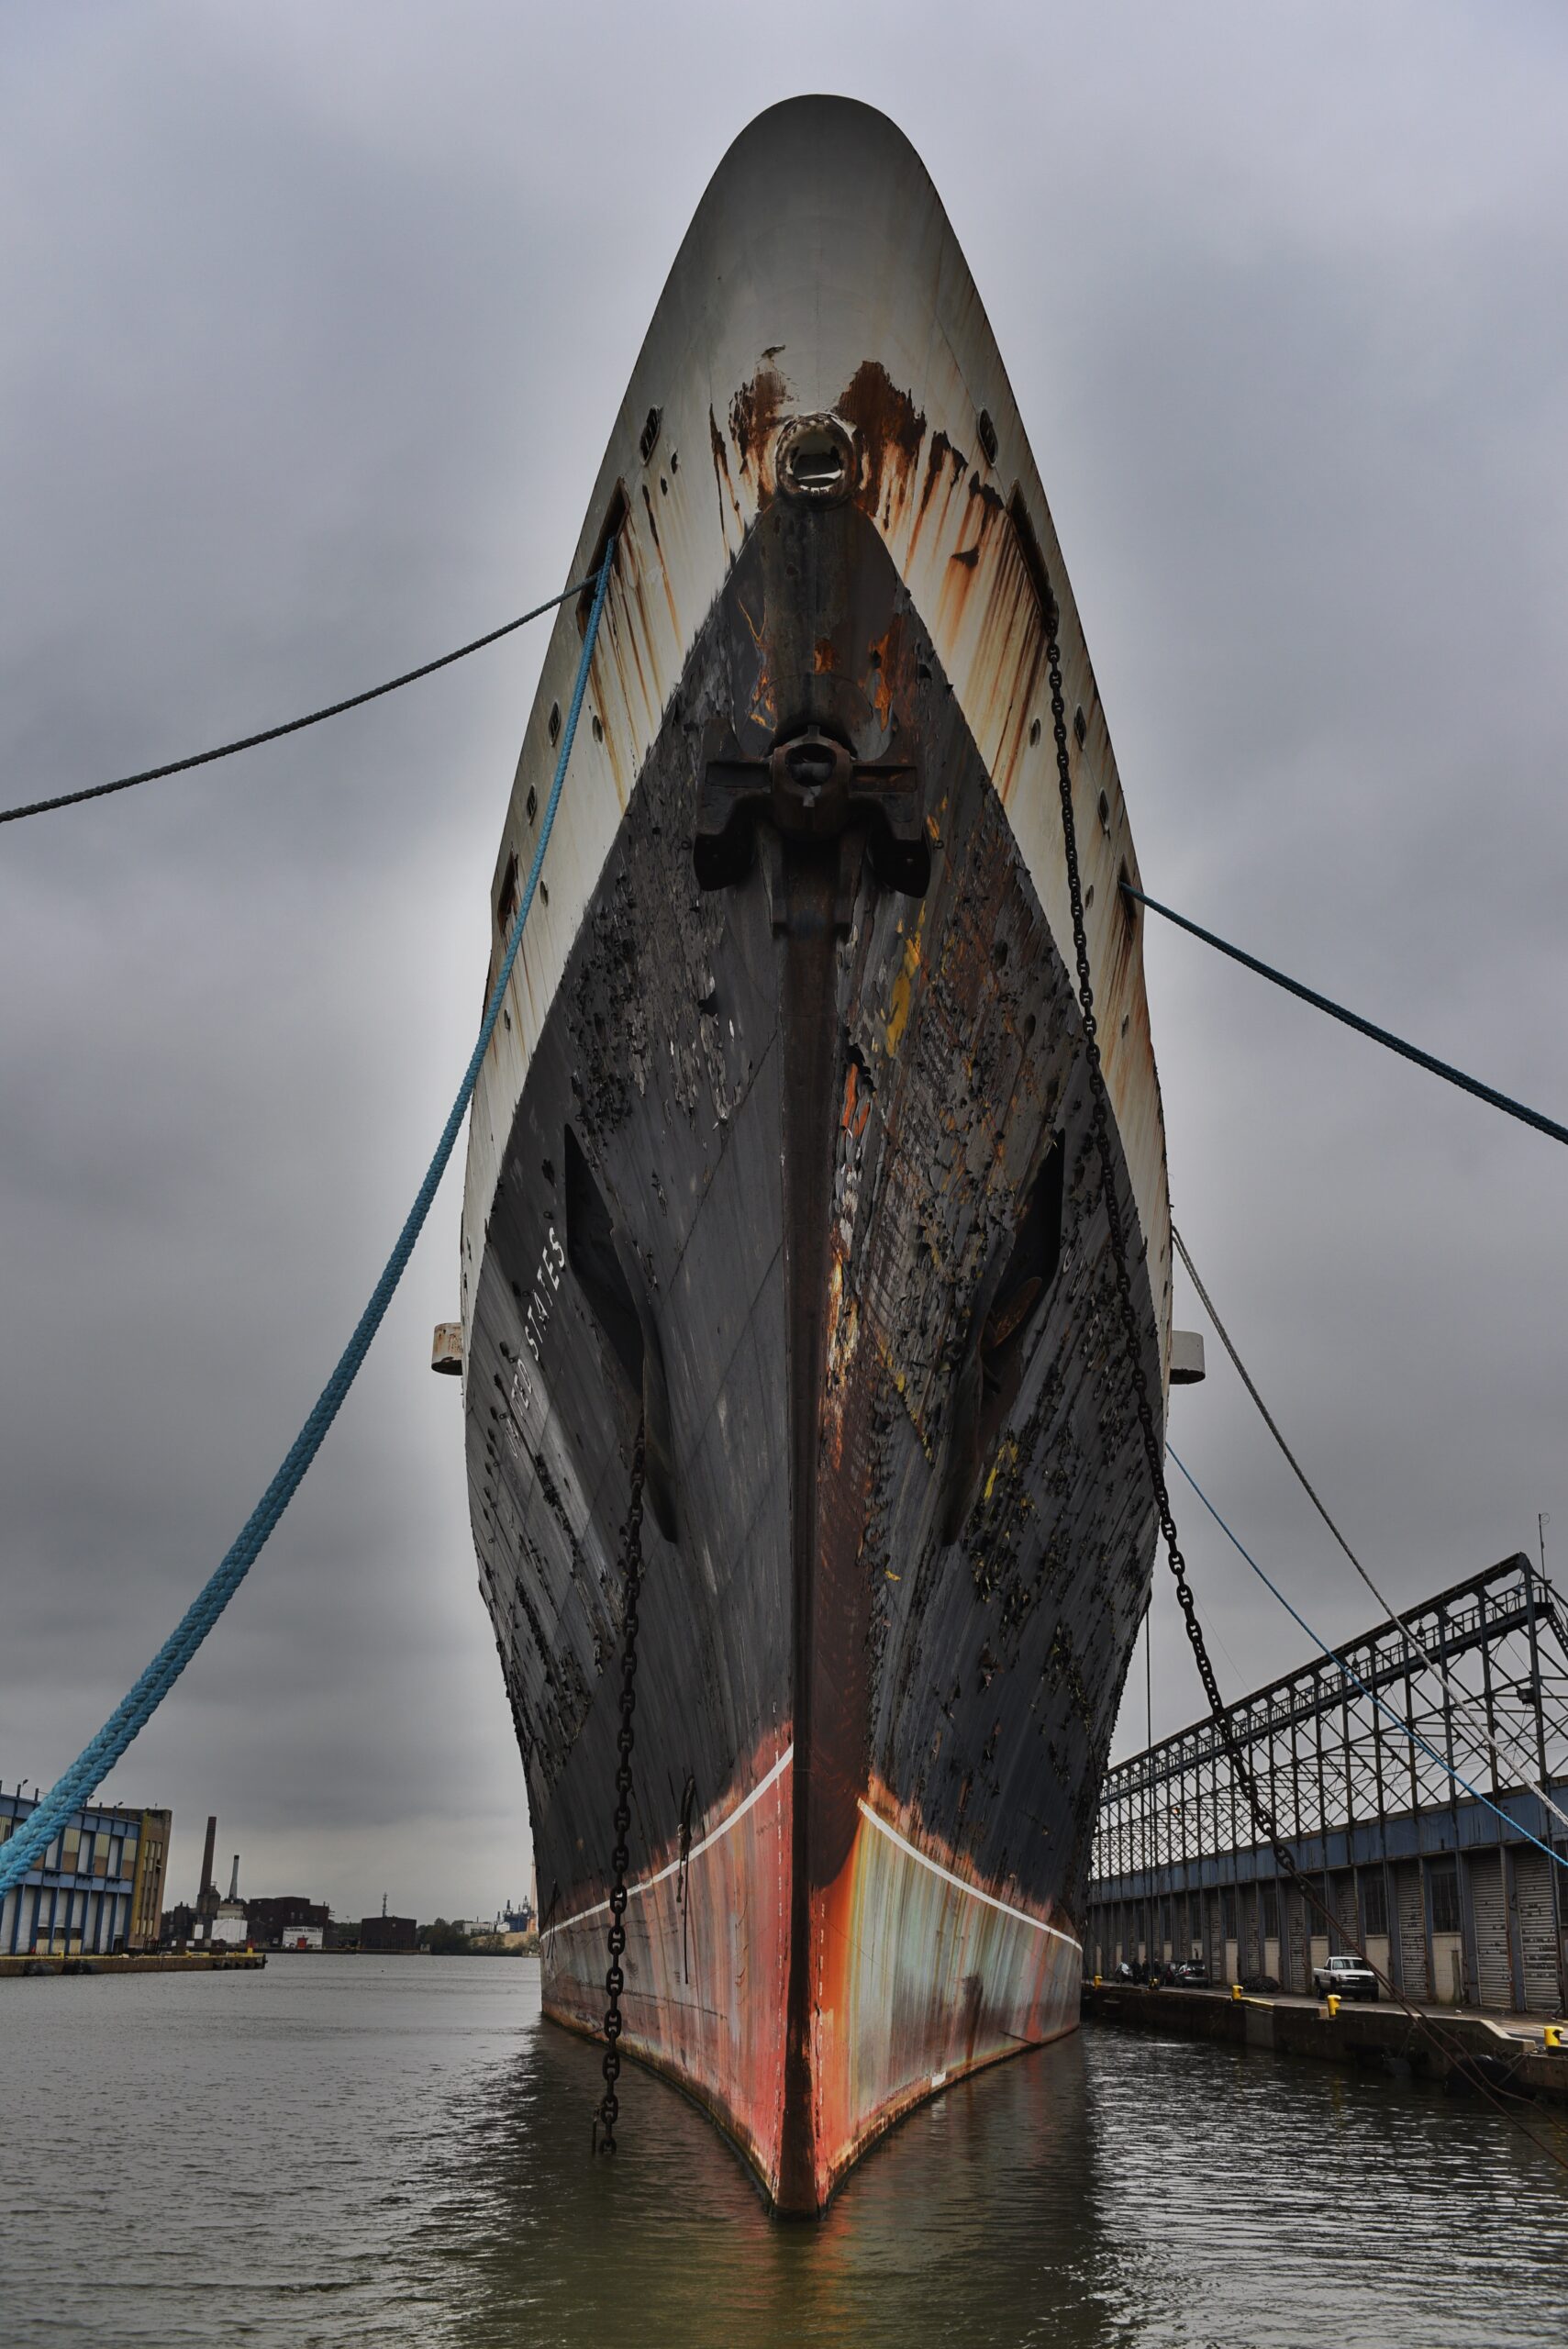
(396, 2151)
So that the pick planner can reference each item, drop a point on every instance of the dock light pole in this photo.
(1148, 1664)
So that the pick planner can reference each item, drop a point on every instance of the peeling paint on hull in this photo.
(917, 1980)
(788, 1145)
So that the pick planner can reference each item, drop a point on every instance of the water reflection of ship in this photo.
(1018, 2212)
(782, 1147)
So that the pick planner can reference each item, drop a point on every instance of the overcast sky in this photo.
(313, 322)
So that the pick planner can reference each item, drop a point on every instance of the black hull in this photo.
(802, 1168)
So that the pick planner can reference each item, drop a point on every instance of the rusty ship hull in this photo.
(783, 1150)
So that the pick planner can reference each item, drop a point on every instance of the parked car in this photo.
(1347, 1978)
(1189, 1973)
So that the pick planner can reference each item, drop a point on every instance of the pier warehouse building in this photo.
(99, 1886)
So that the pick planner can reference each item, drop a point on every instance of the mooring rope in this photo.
(291, 725)
(137, 1708)
(1409, 1051)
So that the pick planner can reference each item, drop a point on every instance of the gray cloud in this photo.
(315, 321)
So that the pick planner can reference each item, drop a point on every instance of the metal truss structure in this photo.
(1358, 1759)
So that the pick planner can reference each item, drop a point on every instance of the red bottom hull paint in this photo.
(917, 1976)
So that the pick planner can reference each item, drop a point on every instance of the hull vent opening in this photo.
(996, 1352)
(1031, 1269)
(591, 1253)
(607, 1272)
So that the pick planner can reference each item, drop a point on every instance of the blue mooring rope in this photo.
(136, 1709)
(1451, 1075)
(1399, 1720)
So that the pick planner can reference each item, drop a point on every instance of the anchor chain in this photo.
(608, 2109)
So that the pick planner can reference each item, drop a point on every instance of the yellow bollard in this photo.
(1096, 1981)
(1555, 2034)
(1236, 1991)
(1333, 2005)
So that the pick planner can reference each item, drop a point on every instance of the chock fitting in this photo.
(1557, 2034)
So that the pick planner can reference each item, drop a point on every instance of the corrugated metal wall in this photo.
(1537, 1930)
(1489, 1910)
(1415, 1975)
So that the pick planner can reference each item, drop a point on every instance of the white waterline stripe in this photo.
(974, 1891)
(602, 1908)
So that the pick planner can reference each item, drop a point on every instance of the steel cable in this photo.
(292, 725)
(1503, 1101)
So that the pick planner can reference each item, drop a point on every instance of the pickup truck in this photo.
(1348, 1977)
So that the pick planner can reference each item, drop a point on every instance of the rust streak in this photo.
(888, 428)
(663, 566)
(721, 476)
(755, 413)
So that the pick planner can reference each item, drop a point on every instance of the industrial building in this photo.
(384, 1932)
(230, 1925)
(1453, 1890)
(286, 1920)
(98, 1888)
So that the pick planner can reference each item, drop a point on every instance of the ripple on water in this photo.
(397, 2151)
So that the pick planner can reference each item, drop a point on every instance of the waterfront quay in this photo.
(167, 1960)
(1463, 2051)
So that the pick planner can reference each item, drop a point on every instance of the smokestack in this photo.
(206, 1856)
(234, 1879)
